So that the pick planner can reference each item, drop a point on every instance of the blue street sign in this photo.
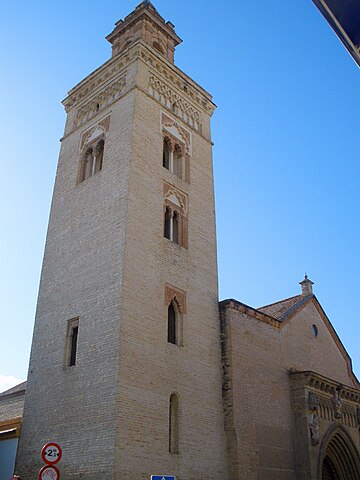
(163, 477)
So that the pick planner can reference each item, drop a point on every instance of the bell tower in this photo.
(125, 367)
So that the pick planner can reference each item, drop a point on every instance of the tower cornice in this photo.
(108, 83)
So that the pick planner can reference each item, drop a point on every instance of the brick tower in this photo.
(125, 369)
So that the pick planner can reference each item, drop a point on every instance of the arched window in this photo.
(92, 160)
(172, 324)
(87, 164)
(172, 225)
(177, 162)
(99, 153)
(175, 238)
(167, 223)
(166, 154)
(173, 157)
(174, 424)
(127, 44)
(158, 47)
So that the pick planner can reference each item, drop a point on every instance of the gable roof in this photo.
(284, 308)
(279, 313)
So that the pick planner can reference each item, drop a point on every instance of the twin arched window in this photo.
(92, 160)
(171, 225)
(173, 157)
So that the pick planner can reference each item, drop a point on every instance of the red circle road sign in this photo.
(49, 472)
(51, 453)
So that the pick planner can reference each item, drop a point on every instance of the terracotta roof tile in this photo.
(282, 309)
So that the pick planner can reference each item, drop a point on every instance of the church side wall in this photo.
(261, 400)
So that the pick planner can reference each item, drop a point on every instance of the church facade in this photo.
(135, 368)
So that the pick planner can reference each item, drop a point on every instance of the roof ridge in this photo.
(20, 387)
(279, 301)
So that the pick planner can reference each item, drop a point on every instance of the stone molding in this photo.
(176, 294)
(102, 99)
(95, 131)
(319, 405)
(242, 308)
(170, 126)
(164, 69)
(178, 80)
(328, 399)
(182, 198)
(170, 99)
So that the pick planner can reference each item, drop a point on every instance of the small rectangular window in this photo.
(72, 342)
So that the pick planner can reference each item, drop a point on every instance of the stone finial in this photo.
(306, 286)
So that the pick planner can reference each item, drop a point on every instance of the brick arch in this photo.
(177, 296)
(338, 456)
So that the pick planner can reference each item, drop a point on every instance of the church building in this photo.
(136, 369)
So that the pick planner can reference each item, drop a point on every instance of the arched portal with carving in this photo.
(339, 458)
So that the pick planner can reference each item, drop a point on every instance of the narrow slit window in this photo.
(167, 224)
(172, 324)
(175, 238)
(99, 152)
(166, 154)
(174, 424)
(72, 342)
(178, 161)
(73, 348)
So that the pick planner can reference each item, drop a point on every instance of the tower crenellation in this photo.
(146, 24)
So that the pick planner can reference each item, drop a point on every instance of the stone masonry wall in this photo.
(151, 369)
(260, 354)
(81, 277)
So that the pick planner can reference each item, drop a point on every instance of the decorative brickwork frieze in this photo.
(101, 100)
(168, 97)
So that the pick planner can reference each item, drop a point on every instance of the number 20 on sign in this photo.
(51, 453)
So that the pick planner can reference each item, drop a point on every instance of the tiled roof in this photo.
(283, 309)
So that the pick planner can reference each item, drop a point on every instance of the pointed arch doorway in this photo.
(329, 470)
(340, 459)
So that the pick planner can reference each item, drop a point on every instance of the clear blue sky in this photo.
(286, 154)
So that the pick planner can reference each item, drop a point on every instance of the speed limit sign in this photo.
(49, 472)
(51, 453)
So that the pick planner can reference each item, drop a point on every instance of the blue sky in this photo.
(286, 154)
